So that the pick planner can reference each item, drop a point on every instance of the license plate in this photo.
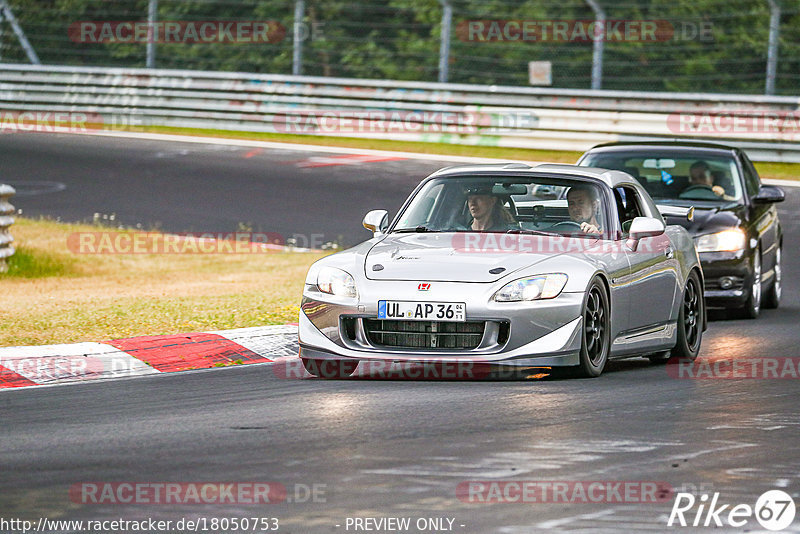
(422, 311)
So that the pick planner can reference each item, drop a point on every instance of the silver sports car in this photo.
(509, 265)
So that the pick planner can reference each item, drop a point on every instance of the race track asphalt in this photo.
(189, 187)
(375, 448)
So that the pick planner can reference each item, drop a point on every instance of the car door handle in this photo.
(669, 252)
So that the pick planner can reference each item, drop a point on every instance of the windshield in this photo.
(506, 204)
(677, 178)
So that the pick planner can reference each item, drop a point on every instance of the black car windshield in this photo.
(677, 178)
(506, 204)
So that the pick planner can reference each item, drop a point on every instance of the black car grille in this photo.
(424, 334)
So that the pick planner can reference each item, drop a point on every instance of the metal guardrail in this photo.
(520, 117)
(6, 220)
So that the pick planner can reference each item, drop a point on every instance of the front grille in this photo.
(424, 334)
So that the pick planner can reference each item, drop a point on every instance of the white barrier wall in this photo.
(565, 119)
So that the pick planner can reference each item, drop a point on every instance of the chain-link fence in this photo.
(650, 45)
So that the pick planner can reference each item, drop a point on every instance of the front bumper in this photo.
(538, 333)
(737, 268)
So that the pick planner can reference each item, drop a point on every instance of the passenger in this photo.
(583, 206)
(487, 211)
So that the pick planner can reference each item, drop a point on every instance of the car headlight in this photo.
(725, 241)
(336, 282)
(544, 286)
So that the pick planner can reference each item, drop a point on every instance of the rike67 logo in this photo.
(774, 510)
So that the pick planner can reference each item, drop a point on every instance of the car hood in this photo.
(463, 257)
(710, 220)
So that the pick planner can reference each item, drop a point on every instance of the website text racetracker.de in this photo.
(188, 493)
(572, 30)
(149, 525)
(315, 121)
(181, 31)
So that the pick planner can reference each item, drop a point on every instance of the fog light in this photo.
(726, 282)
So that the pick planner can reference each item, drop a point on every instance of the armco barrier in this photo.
(6, 220)
(768, 127)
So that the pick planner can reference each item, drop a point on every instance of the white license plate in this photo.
(422, 311)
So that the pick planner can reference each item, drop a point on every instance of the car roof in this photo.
(610, 178)
(642, 146)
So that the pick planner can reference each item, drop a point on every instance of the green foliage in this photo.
(399, 39)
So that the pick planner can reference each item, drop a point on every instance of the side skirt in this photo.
(649, 339)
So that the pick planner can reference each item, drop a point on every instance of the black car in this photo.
(735, 225)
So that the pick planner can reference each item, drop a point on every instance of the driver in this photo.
(583, 205)
(700, 176)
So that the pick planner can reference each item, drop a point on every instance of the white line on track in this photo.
(299, 147)
(333, 149)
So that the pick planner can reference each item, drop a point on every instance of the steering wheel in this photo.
(699, 192)
(564, 224)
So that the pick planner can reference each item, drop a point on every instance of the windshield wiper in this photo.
(418, 229)
(530, 232)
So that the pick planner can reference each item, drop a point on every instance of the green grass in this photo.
(34, 263)
(480, 151)
(54, 295)
(778, 171)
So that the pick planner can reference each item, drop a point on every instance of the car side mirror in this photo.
(769, 194)
(677, 211)
(376, 221)
(642, 227)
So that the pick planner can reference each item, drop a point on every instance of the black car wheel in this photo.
(330, 368)
(596, 338)
(752, 305)
(772, 298)
(690, 320)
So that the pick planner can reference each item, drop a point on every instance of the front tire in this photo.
(772, 298)
(330, 369)
(690, 320)
(752, 306)
(596, 334)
